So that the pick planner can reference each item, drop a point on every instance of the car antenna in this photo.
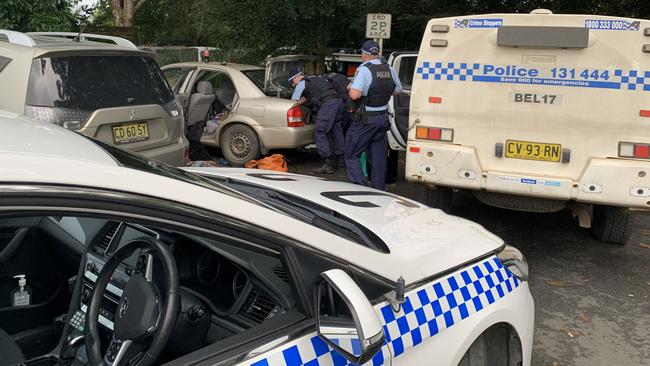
(82, 27)
(396, 297)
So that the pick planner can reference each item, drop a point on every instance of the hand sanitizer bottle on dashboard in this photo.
(22, 295)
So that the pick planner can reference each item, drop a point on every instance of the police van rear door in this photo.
(404, 65)
(536, 95)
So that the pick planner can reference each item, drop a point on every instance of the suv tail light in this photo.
(294, 117)
(633, 150)
(68, 118)
(434, 134)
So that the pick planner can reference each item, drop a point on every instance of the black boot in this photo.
(340, 161)
(328, 166)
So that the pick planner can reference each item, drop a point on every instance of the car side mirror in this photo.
(346, 320)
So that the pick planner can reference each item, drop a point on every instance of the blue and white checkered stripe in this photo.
(463, 71)
(633, 79)
(427, 312)
(433, 308)
(447, 70)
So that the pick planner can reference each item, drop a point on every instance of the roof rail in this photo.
(18, 38)
(123, 42)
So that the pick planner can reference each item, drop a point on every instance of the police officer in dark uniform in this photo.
(374, 83)
(319, 92)
(341, 84)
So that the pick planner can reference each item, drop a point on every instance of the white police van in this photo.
(536, 112)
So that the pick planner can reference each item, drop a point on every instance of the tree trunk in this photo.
(124, 11)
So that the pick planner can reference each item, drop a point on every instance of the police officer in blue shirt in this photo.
(320, 93)
(374, 83)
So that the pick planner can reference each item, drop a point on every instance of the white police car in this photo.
(131, 262)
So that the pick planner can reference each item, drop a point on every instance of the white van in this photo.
(536, 112)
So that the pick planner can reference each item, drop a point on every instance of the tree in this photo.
(124, 11)
(39, 15)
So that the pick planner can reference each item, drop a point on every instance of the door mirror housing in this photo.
(346, 320)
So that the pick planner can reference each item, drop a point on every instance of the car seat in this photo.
(200, 103)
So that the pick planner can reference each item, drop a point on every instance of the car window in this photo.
(87, 83)
(219, 80)
(4, 61)
(176, 76)
(406, 71)
(256, 76)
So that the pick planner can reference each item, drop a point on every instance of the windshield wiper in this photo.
(319, 218)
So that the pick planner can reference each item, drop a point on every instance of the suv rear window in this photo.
(87, 83)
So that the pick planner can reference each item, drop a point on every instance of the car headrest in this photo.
(204, 87)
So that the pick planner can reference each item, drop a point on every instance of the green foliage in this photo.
(249, 30)
(39, 15)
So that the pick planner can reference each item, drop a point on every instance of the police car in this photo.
(122, 260)
(535, 112)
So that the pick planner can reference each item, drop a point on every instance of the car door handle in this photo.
(12, 247)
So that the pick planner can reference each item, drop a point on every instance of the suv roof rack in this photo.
(119, 41)
(18, 38)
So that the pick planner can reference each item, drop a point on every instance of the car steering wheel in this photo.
(142, 323)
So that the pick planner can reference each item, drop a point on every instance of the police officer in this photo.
(318, 91)
(374, 83)
(341, 84)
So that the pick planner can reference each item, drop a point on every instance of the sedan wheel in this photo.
(240, 145)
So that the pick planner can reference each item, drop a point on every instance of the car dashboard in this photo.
(236, 288)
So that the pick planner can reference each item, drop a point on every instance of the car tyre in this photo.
(498, 345)
(438, 197)
(240, 144)
(612, 224)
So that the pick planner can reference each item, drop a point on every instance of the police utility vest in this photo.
(339, 82)
(318, 90)
(382, 85)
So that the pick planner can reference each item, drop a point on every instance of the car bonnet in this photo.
(414, 233)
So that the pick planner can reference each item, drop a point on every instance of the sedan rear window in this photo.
(256, 76)
(87, 83)
(4, 61)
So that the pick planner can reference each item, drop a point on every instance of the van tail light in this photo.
(294, 117)
(633, 150)
(186, 155)
(434, 134)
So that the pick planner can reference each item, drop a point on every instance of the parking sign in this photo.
(378, 26)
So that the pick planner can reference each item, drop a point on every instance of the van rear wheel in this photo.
(612, 224)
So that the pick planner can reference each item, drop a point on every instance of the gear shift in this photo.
(73, 342)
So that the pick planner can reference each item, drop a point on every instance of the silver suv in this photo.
(100, 86)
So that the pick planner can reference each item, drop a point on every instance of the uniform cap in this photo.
(293, 73)
(370, 47)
